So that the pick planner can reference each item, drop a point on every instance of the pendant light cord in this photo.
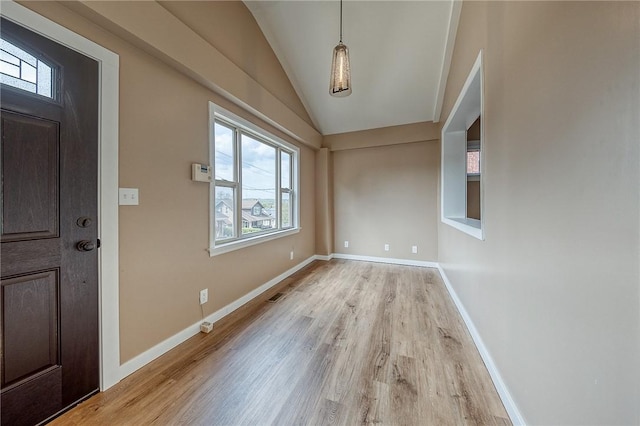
(340, 21)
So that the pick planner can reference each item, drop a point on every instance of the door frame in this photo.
(107, 178)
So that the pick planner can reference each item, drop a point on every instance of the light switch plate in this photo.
(128, 196)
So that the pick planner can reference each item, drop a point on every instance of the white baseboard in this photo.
(323, 257)
(511, 407)
(407, 262)
(161, 348)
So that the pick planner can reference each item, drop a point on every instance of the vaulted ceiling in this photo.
(399, 52)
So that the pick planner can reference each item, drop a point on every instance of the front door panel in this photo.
(49, 288)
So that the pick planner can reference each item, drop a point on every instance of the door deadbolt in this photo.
(84, 222)
(85, 245)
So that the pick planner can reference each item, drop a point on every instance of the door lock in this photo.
(85, 245)
(84, 222)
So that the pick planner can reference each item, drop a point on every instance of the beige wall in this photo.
(324, 202)
(554, 288)
(387, 195)
(230, 27)
(163, 241)
(153, 28)
(384, 136)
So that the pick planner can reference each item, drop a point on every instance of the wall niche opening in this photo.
(462, 203)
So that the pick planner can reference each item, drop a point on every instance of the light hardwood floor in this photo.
(349, 343)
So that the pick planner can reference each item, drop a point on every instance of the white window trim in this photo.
(251, 241)
(216, 111)
(453, 197)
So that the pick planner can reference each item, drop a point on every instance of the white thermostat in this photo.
(200, 173)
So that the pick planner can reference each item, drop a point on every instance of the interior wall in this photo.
(163, 258)
(324, 203)
(231, 28)
(383, 136)
(387, 195)
(154, 29)
(554, 288)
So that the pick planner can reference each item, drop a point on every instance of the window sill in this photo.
(248, 242)
(471, 227)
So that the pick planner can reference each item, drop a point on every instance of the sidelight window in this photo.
(255, 190)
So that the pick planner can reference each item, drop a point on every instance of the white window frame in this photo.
(243, 126)
(453, 196)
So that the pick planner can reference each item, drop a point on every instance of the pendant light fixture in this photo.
(340, 85)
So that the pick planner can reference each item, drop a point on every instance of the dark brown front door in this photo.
(49, 285)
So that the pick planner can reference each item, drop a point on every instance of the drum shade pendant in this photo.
(340, 84)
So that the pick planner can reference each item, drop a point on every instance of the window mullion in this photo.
(278, 194)
(292, 204)
(238, 176)
(226, 184)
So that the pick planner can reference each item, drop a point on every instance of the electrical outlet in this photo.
(346, 244)
(414, 249)
(204, 296)
(291, 255)
(386, 247)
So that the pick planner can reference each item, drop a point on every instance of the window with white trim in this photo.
(255, 188)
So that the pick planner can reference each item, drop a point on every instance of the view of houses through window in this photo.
(253, 183)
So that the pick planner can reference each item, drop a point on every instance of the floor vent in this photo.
(275, 297)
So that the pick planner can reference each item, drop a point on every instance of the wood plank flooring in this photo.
(349, 343)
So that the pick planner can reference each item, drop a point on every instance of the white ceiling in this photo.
(399, 52)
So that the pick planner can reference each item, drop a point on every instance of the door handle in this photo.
(85, 245)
